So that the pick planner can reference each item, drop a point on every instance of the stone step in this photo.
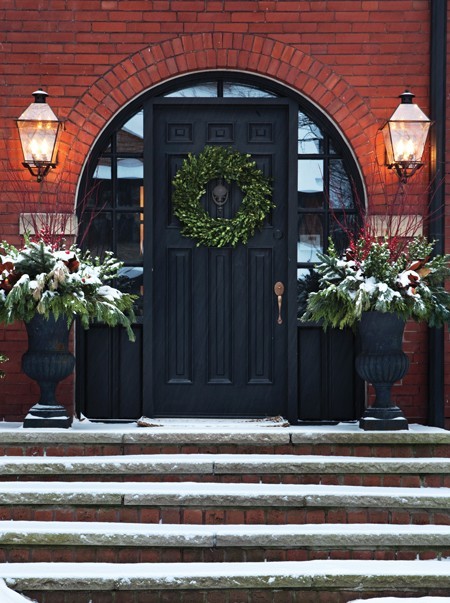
(193, 502)
(300, 581)
(77, 541)
(172, 436)
(344, 470)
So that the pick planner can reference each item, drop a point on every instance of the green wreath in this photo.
(190, 185)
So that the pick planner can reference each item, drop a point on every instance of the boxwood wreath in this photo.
(190, 182)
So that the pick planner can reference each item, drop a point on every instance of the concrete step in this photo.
(169, 436)
(309, 580)
(344, 470)
(134, 543)
(192, 502)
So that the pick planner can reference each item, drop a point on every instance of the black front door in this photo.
(212, 343)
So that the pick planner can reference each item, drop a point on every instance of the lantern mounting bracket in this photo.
(39, 169)
(404, 169)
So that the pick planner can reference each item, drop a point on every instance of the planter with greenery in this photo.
(376, 280)
(47, 286)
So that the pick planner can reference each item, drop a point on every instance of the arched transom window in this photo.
(111, 209)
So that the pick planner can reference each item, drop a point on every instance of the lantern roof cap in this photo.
(407, 110)
(39, 110)
(40, 93)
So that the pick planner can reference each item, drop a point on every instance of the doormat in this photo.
(277, 421)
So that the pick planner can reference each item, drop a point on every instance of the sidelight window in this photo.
(326, 201)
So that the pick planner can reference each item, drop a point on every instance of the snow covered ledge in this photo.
(319, 574)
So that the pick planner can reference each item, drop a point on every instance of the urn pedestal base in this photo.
(383, 419)
(42, 416)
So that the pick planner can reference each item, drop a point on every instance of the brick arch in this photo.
(203, 52)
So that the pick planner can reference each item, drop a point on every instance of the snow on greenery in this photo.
(380, 274)
(48, 279)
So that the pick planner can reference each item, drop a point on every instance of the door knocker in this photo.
(220, 195)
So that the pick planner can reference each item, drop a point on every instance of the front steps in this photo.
(224, 512)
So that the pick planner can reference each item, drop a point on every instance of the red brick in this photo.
(357, 516)
(295, 516)
(315, 515)
(384, 555)
(235, 516)
(336, 516)
(378, 516)
(129, 515)
(297, 555)
(107, 514)
(392, 481)
(420, 517)
(411, 481)
(352, 480)
(22, 513)
(255, 516)
(43, 515)
(216, 597)
(362, 555)
(427, 555)
(402, 517)
(274, 516)
(169, 515)
(149, 515)
(150, 555)
(434, 481)
(329, 480)
(371, 480)
(406, 555)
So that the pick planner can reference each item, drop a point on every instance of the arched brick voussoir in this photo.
(205, 52)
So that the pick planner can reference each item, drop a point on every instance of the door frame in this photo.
(149, 345)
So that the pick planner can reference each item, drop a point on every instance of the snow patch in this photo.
(9, 596)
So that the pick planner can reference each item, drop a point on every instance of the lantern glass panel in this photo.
(408, 140)
(38, 141)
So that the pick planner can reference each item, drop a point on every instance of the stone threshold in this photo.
(36, 533)
(321, 574)
(217, 431)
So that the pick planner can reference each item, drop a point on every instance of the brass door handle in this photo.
(279, 290)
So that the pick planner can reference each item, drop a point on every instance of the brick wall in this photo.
(352, 58)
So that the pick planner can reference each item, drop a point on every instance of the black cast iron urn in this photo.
(48, 361)
(382, 362)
